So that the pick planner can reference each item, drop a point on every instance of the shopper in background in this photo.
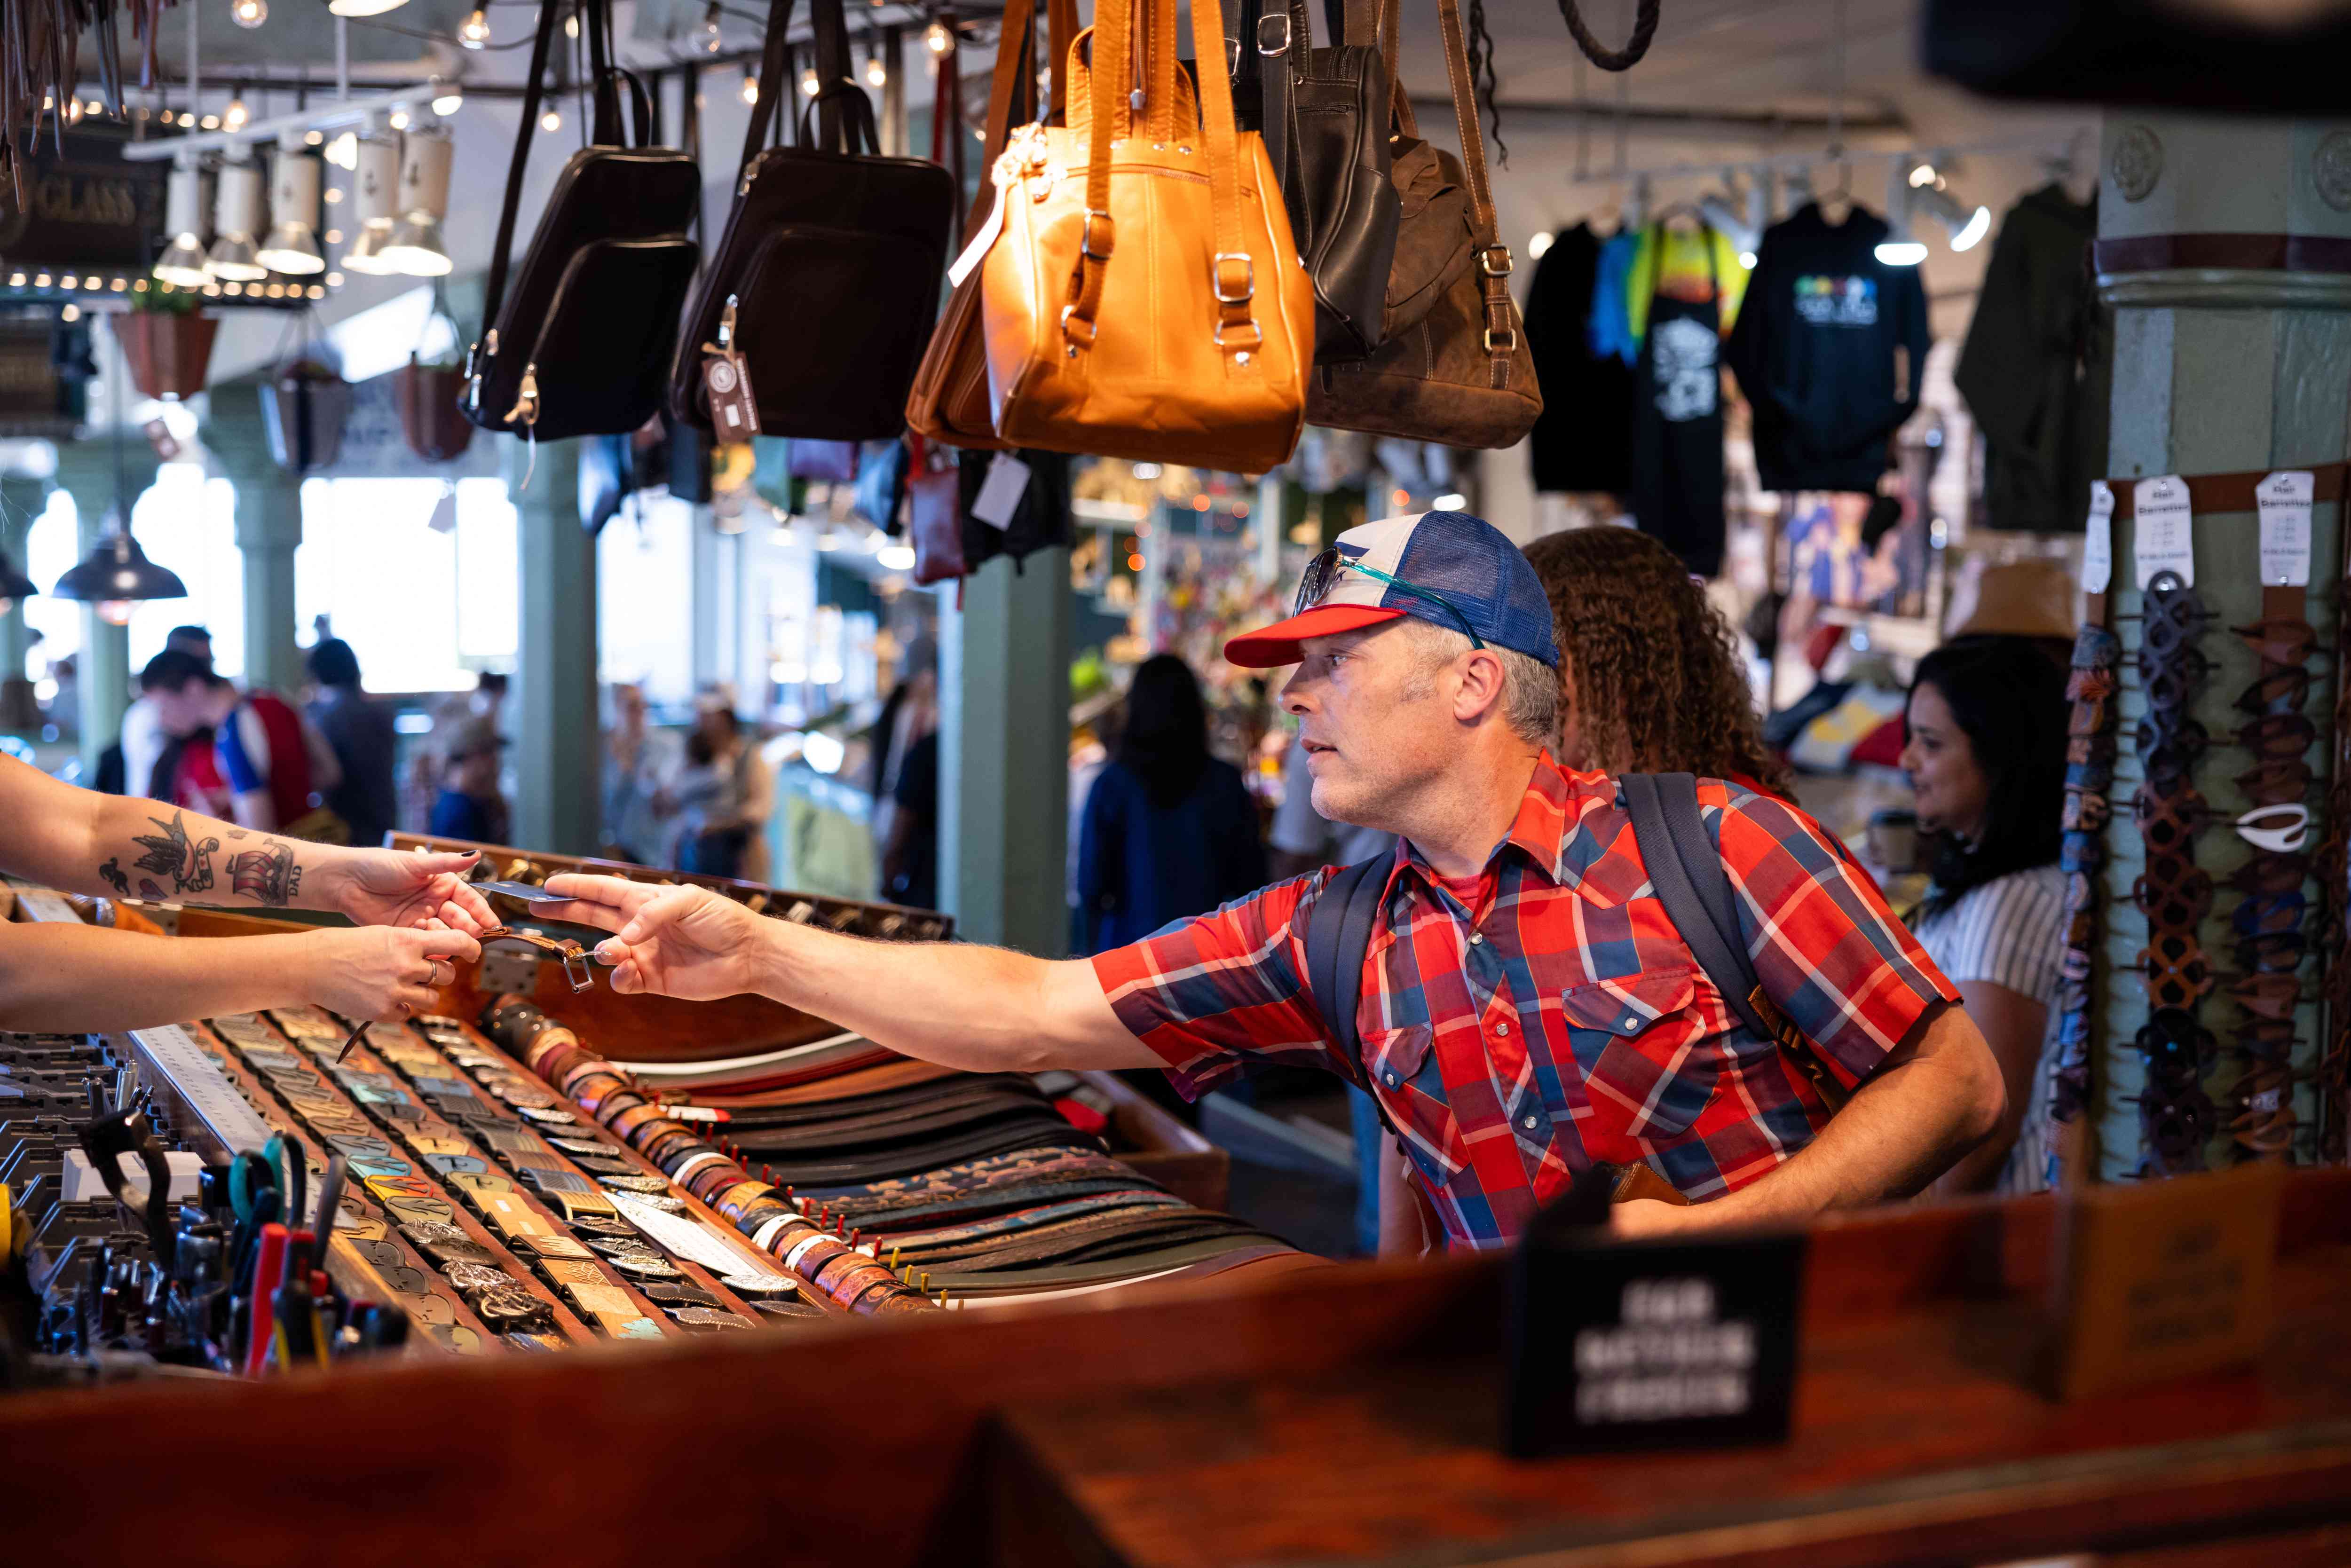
(144, 740)
(1985, 748)
(265, 767)
(1650, 676)
(725, 795)
(637, 760)
(1169, 830)
(360, 732)
(451, 718)
(470, 805)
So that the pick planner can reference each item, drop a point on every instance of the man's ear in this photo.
(1480, 690)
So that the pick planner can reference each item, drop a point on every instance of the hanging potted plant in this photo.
(167, 341)
(428, 388)
(303, 406)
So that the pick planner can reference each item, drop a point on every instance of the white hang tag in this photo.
(1000, 491)
(978, 249)
(2284, 500)
(2099, 539)
(2166, 539)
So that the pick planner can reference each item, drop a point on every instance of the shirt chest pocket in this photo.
(1645, 1051)
(1406, 1082)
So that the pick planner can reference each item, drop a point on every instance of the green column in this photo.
(556, 761)
(268, 531)
(95, 474)
(1003, 751)
(21, 498)
(2217, 370)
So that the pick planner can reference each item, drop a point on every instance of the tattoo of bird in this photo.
(186, 861)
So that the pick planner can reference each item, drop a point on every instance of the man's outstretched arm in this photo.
(984, 1010)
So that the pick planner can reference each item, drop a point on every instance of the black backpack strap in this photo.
(494, 296)
(1338, 937)
(1685, 870)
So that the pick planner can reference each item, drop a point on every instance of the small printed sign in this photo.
(2166, 538)
(2099, 539)
(2284, 500)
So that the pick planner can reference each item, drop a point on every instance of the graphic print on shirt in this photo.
(1687, 384)
(1827, 301)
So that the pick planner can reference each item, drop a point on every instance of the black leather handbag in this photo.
(827, 279)
(1323, 114)
(578, 345)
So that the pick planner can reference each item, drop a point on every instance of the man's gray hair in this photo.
(1529, 687)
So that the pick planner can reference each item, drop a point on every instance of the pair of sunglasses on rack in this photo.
(2261, 1103)
(2175, 1127)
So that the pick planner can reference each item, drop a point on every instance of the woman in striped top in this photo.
(1985, 750)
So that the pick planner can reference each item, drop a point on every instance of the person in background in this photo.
(359, 734)
(1650, 676)
(470, 805)
(265, 767)
(144, 742)
(1170, 830)
(910, 853)
(725, 795)
(635, 763)
(451, 716)
(1984, 745)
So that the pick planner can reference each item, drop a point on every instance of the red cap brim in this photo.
(1270, 647)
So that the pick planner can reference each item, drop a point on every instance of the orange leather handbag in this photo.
(1141, 294)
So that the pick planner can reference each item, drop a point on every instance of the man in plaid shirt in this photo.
(1527, 1007)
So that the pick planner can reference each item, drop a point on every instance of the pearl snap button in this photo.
(1502, 1028)
(1529, 1124)
(1392, 1080)
(1631, 1022)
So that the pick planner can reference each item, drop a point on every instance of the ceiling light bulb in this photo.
(399, 121)
(343, 151)
(572, 26)
(809, 83)
(116, 611)
(292, 246)
(236, 218)
(711, 42)
(938, 40)
(183, 261)
(750, 86)
(363, 7)
(1924, 174)
(248, 13)
(473, 32)
(551, 122)
(447, 99)
(876, 73)
(234, 117)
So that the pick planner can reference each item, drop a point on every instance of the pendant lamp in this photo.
(415, 246)
(292, 246)
(117, 576)
(183, 261)
(375, 183)
(236, 219)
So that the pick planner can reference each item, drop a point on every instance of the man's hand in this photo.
(1641, 1217)
(683, 942)
(381, 973)
(385, 887)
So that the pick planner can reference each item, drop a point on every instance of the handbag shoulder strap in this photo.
(774, 82)
(494, 295)
(1338, 939)
(1492, 256)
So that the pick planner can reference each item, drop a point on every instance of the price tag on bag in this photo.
(2099, 539)
(727, 380)
(2284, 501)
(1000, 491)
(2165, 540)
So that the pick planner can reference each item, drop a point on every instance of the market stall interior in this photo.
(1299, 781)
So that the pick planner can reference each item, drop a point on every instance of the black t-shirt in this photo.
(917, 795)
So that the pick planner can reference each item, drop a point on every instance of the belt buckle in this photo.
(1506, 343)
(1217, 282)
(1486, 263)
(1086, 236)
(1264, 48)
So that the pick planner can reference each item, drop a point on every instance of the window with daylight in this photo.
(424, 593)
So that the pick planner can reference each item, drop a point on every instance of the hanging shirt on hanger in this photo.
(2037, 368)
(1814, 351)
(1676, 484)
(1688, 264)
(1611, 327)
(1580, 442)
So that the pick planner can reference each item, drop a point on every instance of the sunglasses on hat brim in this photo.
(1323, 572)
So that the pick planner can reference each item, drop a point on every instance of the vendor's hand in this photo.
(385, 973)
(387, 887)
(1645, 1216)
(683, 942)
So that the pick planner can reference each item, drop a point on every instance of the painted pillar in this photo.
(1004, 755)
(2224, 244)
(91, 473)
(22, 497)
(268, 531)
(556, 761)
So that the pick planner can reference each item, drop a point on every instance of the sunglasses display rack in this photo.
(2090, 747)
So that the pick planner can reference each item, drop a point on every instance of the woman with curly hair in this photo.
(1651, 671)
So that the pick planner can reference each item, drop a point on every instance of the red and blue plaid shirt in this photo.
(1561, 1020)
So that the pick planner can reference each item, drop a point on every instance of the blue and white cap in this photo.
(1437, 566)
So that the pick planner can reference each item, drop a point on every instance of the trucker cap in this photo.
(1445, 568)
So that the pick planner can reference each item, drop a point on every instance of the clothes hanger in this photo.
(1836, 204)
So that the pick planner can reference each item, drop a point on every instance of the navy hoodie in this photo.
(1813, 351)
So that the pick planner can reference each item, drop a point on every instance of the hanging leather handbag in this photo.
(1155, 309)
(1463, 376)
(578, 345)
(949, 401)
(828, 276)
(1435, 227)
(935, 509)
(428, 396)
(1323, 114)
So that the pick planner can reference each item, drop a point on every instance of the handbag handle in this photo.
(1232, 270)
(494, 296)
(1502, 333)
(774, 83)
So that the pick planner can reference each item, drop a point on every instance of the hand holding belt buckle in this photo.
(564, 950)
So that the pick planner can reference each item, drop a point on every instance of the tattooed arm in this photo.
(82, 841)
